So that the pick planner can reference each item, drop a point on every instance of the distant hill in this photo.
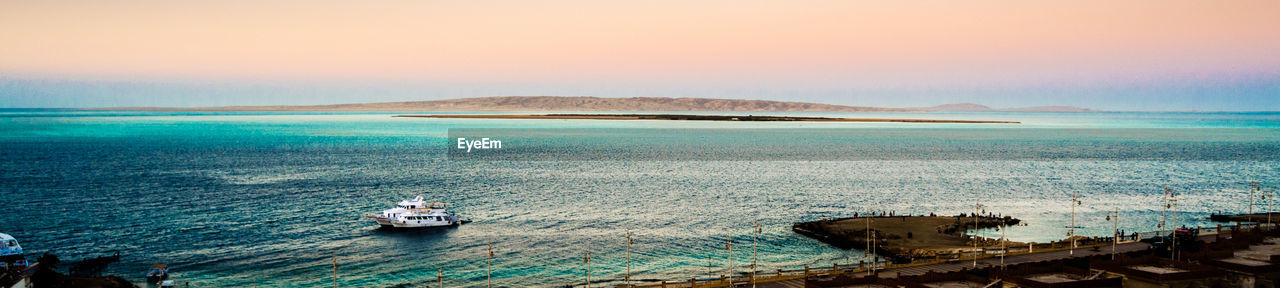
(965, 107)
(586, 103)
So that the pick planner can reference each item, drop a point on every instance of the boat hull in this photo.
(424, 224)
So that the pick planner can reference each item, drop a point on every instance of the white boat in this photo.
(434, 216)
(416, 213)
(405, 207)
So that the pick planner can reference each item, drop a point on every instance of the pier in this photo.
(1218, 250)
(906, 238)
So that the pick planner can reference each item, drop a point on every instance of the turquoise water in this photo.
(237, 199)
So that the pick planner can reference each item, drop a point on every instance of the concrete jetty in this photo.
(907, 238)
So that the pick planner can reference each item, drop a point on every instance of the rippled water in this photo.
(236, 199)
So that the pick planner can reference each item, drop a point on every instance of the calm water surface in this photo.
(236, 199)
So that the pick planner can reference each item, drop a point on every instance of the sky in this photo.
(1109, 55)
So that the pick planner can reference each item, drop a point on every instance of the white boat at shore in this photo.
(416, 213)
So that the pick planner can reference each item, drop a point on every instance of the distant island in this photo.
(689, 117)
(586, 103)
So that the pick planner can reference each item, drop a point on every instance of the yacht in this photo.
(417, 213)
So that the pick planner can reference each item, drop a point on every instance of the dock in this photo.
(1222, 244)
(907, 238)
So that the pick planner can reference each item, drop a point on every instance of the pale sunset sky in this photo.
(1108, 55)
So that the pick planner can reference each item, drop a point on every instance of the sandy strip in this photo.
(694, 118)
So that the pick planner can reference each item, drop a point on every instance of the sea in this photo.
(277, 199)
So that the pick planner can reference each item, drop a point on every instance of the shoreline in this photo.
(683, 117)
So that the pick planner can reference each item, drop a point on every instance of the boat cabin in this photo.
(417, 203)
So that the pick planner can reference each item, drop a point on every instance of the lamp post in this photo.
(1164, 212)
(629, 242)
(1071, 230)
(867, 254)
(1173, 200)
(488, 268)
(976, 206)
(1114, 216)
(873, 252)
(729, 246)
(1003, 249)
(709, 256)
(587, 260)
(755, 243)
(1253, 186)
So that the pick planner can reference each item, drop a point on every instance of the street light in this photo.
(1114, 216)
(488, 268)
(755, 243)
(587, 260)
(1253, 186)
(1172, 203)
(976, 207)
(1270, 192)
(868, 254)
(1003, 249)
(629, 242)
(1071, 230)
(729, 246)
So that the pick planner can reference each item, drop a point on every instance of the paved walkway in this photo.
(957, 265)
